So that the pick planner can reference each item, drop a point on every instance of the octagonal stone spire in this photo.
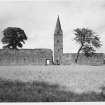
(58, 29)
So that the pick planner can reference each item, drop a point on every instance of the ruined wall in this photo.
(25, 56)
(69, 58)
(40, 57)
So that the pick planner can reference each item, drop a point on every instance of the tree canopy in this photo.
(88, 41)
(13, 37)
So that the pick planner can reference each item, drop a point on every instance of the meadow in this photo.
(52, 83)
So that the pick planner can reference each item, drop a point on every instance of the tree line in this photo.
(14, 38)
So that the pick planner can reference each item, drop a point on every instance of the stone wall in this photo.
(69, 58)
(44, 56)
(25, 57)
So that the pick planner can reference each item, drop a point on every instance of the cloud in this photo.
(38, 19)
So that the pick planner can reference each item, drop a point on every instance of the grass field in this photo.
(52, 83)
(16, 91)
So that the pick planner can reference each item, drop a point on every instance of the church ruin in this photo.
(69, 58)
(26, 57)
(47, 56)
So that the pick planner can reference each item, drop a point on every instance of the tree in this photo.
(14, 37)
(88, 41)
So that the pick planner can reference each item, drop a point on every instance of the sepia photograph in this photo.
(52, 51)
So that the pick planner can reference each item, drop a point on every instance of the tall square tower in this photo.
(58, 43)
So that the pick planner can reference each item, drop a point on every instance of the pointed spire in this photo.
(58, 26)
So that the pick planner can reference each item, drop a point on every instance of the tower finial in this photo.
(58, 15)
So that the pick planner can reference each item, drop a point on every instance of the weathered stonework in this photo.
(58, 43)
(61, 58)
(25, 57)
(69, 58)
(45, 56)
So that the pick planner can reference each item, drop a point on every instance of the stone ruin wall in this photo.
(25, 57)
(69, 58)
(40, 56)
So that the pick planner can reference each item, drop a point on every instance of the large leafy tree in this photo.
(88, 41)
(13, 37)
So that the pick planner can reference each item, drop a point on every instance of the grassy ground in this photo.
(73, 78)
(15, 91)
(37, 83)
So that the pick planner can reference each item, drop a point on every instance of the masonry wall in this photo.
(69, 58)
(25, 57)
(40, 57)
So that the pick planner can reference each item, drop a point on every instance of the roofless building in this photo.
(45, 56)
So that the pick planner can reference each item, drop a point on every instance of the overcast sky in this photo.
(38, 20)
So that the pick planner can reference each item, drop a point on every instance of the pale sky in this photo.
(38, 19)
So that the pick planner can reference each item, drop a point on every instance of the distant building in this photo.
(26, 57)
(47, 56)
(61, 58)
(58, 43)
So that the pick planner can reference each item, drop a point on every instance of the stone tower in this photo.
(58, 43)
